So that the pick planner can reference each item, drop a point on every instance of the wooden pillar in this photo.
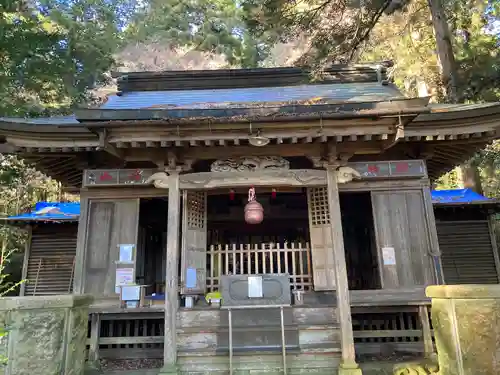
(423, 313)
(27, 252)
(433, 236)
(81, 247)
(95, 332)
(172, 277)
(348, 364)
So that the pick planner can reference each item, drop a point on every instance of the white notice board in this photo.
(389, 256)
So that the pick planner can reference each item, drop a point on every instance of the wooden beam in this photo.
(231, 151)
(108, 147)
(211, 180)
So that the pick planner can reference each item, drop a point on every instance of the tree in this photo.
(213, 26)
(51, 53)
(50, 56)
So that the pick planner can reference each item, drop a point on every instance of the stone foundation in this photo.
(45, 335)
(466, 320)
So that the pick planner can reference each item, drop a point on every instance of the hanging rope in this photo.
(251, 194)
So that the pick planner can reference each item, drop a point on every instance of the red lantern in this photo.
(231, 195)
(254, 213)
(273, 194)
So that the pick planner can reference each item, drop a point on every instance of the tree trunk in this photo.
(471, 178)
(445, 51)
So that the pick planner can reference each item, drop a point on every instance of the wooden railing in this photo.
(247, 259)
(388, 329)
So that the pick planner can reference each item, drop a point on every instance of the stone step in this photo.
(261, 363)
(301, 315)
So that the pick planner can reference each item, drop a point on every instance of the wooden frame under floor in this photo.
(384, 322)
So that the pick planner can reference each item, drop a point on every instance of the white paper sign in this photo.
(131, 293)
(388, 256)
(126, 253)
(191, 278)
(124, 276)
(255, 287)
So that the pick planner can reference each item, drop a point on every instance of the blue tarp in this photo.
(51, 211)
(54, 211)
(458, 196)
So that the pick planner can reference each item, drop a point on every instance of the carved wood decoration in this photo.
(194, 241)
(263, 172)
(250, 164)
(159, 180)
(347, 174)
(297, 177)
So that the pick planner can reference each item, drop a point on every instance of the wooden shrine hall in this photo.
(194, 182)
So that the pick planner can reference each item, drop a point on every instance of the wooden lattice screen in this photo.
(247, 259)
(321, 239)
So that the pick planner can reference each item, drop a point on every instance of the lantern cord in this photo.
(251, 194)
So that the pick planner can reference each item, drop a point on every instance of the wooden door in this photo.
(194, 241)
(110, 223)
(402, 229)
(321, 239)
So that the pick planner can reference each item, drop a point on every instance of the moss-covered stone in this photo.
(466, 324)
(46, 335)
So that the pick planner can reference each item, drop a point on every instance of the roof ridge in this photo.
(249, 78)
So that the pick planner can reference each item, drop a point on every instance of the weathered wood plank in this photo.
(400, 224)
(387, 297)
(131, 340)
(95, 330)
(388, 333)
(111, 223)
(98, 246)
(315, 315)
(423, 313)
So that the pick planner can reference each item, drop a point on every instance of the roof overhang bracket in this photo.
(397, 136)
(108, 147)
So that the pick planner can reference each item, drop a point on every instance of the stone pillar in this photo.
(172, 277)
(348, 364)
(466, 322)
(44, 335)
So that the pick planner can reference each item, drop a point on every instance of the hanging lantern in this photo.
(231, 195)
(273, 194)
(254, 213)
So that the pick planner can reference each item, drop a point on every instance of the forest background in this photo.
(58, 54)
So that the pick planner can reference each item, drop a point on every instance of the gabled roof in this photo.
(183, 110)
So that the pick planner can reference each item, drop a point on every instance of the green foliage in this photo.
(214, 26)
(335, 29)
(51, 56)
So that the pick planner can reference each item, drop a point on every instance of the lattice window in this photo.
(318, 205)
(196, 204)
